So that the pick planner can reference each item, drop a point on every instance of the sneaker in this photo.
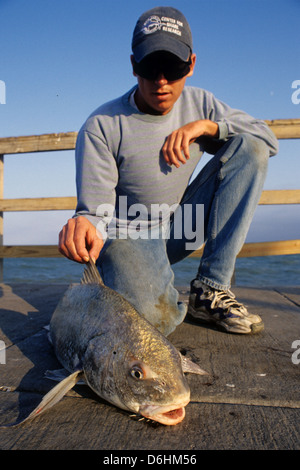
(221, 308)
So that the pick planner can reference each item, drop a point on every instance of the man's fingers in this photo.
(186, 146)
(95, 249)
(74, 238)
(176, 148)
(64, 245)
(74, 247)
(80, 240)
(172, 149)
(94, 244)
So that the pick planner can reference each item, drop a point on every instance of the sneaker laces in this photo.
(224, 299)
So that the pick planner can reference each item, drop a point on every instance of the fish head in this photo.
(145, 378)
(158, 392)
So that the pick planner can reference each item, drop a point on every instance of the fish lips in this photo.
(168, 415)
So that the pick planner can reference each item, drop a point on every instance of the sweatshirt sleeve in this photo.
(96, 178)
(234, 121)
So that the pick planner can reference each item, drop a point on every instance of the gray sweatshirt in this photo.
(118, 151)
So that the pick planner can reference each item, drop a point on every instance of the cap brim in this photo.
(166, 43)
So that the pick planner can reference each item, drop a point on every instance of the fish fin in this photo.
(52, 397)
(192, 367)
(91, 274)
(47, 328)
(60, 374)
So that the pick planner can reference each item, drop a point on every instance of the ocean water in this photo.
(267, 271)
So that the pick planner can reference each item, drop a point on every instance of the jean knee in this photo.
(256, 148)
(255, 151)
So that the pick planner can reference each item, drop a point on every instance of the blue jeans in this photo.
(230, 187)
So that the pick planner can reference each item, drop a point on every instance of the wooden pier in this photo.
(250, 400)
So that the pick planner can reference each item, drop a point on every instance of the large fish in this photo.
(98, 336)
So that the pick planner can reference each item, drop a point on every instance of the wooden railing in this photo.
(283, 129)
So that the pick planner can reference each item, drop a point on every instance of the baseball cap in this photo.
(162, 29)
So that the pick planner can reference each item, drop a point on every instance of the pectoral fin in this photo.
(191, 367)
(54, 396)
(59, 375)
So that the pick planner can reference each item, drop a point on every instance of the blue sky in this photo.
(60, 59)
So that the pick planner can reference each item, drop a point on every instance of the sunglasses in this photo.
(160, 63)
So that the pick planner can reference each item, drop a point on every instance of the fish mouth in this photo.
(168, 415)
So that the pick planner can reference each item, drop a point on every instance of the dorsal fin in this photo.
(91, 274)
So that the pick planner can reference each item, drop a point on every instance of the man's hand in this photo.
(176, 147)
(79, 240)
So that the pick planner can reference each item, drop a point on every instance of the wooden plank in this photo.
(282, 128)
(268, 360)
(38, 143)
(38, 204)
(285, 128)
(280, 196)
(286, 247)
(29, 251)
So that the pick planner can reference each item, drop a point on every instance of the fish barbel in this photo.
(99, 336)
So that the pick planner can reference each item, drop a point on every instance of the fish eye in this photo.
(137, 373)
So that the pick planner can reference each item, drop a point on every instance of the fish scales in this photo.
(84, 335)
(99, 335)
(75, 322)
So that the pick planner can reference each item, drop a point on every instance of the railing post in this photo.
(1, 213)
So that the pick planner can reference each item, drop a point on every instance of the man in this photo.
(142, 148)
